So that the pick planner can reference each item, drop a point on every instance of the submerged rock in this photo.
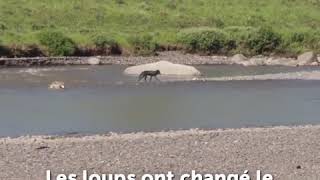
(93, 61)
(56, 85)
(307, 58)
(165, 67)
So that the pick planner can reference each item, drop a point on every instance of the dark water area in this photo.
(100, 99)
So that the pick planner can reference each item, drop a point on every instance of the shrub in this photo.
(30, 50)
(207, 40)
(264, 40)
(106, 45)
(57, 43)
(240, 33)
(120, 2)
(239, 36)
(3, 26)
(4, 51)
(143, 44)
(312, 40)
(298, 37)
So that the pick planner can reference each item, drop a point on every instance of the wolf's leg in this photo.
(150, 79)
(145, 78)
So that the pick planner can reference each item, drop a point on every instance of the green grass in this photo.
(22, 20)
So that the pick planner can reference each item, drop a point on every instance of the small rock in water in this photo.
(57, 85)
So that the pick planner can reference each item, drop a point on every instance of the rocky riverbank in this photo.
(288, 153)
(308, 58)
(303, 75)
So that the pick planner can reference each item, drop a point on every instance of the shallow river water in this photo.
(101, 99)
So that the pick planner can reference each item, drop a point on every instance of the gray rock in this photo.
(281, 61)
(56, 85)
(246, 63)
(254, 61)
(258, 61)
(93, 61)
(307, 58)
(165, 67)
(238, 58)
(272, 61)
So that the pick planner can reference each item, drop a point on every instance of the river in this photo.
(100, 99)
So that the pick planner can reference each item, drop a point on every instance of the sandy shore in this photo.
(288, 153)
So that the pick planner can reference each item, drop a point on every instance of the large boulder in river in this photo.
(307, 58)
(93, 61)
(165, 67)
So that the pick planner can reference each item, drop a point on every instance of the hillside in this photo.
(296, 21)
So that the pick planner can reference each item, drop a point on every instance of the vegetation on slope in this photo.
(217, 26)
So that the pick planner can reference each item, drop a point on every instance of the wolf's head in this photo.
(158, 71)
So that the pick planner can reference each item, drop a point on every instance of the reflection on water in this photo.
(95, 103)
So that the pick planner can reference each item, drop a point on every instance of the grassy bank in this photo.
(141, 26)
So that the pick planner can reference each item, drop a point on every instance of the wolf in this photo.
(145, 74)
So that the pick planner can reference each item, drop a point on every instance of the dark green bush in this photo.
(57, 43)
(106, 45)
(4, 51)
(143, 44)
(298, 37)
(104, 41)
(312, 40)
(3, 26)
(29, 50)
(205, 40)
(239, 36)
(239, 33)
(120, 2)
(264, 40)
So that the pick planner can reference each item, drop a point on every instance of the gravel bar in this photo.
(173, 56)
(288, 153)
